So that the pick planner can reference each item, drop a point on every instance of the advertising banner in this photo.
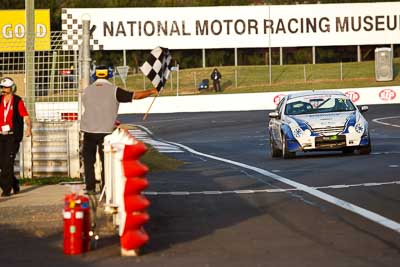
(13, 30)
(236, 26)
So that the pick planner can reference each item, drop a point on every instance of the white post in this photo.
(236, 78)
(73, 149)
(313, 55)
(26, 155)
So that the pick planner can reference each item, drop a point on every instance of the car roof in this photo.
(314, 93)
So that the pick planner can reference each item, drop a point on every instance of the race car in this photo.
(317, 121)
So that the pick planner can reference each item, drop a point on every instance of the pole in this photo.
(195, 80)
(270, 65)
(236, 64)
(236, 78)
(341, 70)
(53, 71)
(313, 55)
(85, 79)
(177, 79)
(269, 49)
(29, 77)
(148, 110)
(30, 56)
(204, 58)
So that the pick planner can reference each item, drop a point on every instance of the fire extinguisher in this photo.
(76, 224)
(84, 203)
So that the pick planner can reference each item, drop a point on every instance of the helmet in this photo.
(103, 72)
(9, 83)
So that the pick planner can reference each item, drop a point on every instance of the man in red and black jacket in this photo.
(13, 115)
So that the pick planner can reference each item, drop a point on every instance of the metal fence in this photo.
(55, 79)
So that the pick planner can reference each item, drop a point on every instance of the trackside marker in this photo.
(314, 192)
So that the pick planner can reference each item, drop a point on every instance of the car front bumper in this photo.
(333, 142)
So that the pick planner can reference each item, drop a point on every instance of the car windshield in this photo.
(318, 104)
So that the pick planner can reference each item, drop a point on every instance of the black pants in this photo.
(8, 150)
(92, 142)
(15, 182)
(217, 85)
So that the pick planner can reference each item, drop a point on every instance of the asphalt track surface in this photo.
(200, 222)
(212, 212)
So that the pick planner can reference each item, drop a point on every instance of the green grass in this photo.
(47, 180)
(284, 78)
(157, 161)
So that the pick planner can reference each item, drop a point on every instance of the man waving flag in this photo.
(157, 67)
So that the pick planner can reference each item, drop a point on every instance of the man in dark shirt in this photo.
(13, 115)
(216, 77)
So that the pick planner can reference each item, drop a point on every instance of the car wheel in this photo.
(274, 151)
(285, 151)
(365, 150)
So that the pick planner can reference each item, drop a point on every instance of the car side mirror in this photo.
(273, 115)
(363, 109)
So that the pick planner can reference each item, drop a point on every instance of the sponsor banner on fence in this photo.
(235, 26)
(13, 30)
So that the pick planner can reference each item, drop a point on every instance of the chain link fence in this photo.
(55, 79)
(263, 78)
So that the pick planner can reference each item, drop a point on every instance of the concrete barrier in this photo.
(250, 101)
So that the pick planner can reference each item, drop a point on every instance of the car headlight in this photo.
(297, 132)
(359, 127)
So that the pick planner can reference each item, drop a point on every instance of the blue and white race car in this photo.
(317, 121)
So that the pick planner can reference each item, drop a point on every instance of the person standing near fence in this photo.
(100, 109)
(216, 77)
(13, 115)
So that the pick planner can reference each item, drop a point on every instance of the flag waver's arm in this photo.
(144, 94)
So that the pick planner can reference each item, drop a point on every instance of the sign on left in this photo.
(13, 30)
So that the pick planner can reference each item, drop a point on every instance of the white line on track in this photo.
(386, 222)
(379, 120)
(276, 190)
(162, 147)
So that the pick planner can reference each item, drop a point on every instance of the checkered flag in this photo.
(157, 67)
